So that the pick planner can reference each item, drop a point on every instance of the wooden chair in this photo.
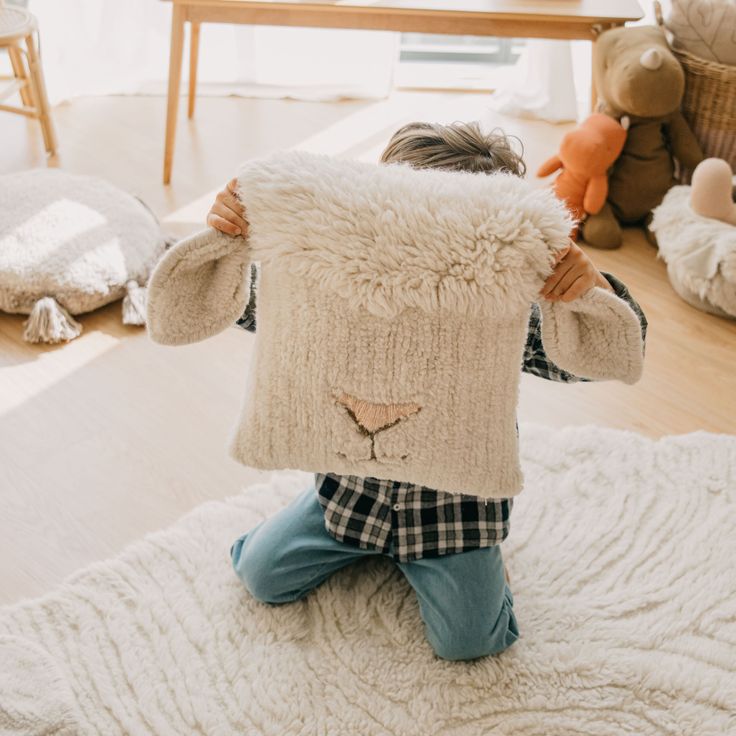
(18, 27)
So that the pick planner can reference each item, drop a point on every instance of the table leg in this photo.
(193, 59)
(593, 93)
(175, 54)
(597, 29)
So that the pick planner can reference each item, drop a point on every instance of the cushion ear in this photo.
(597, 336)
(198, 288)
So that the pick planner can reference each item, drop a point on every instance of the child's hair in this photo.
(457, 147)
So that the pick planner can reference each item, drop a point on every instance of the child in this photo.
(447, 545)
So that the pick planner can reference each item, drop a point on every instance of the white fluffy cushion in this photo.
(70, 244)
(393, 307)
(700, 253)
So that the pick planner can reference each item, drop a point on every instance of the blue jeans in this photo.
(464, 601)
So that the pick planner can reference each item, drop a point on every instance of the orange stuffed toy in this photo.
(585, 156)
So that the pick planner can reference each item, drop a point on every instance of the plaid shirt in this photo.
(408, 521)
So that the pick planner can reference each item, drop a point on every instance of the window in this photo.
(448, 49)
(469, 62)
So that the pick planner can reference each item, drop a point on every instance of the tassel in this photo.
(50, 322)
(134, 304)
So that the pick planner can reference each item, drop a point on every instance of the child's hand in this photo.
(574, 275)
(227, 214)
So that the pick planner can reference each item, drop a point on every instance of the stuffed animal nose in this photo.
(372, 417)
(651, 59)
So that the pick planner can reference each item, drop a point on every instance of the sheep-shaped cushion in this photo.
(393, 308)
(70, 244)
(696, 234)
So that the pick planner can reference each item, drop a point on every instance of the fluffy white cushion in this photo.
(70, 244)
(700, 253)
(392, 314)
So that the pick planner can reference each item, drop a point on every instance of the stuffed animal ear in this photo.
(199, 288)
(597, 336)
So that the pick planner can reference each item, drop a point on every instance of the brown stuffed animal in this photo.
(585, 156)
(638, 76)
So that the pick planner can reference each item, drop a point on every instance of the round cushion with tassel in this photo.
(70, 244)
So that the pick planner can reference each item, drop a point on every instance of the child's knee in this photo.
(461, 647)
(474, 637)
(254, 566)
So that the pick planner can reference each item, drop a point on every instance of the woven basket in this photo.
(709, 105)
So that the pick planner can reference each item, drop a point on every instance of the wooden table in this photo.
(565, 19)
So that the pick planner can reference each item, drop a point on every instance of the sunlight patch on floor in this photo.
(24, 379)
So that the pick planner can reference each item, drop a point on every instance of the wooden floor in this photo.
(110, 436)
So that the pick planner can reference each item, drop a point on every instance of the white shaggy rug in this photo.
(622, 557)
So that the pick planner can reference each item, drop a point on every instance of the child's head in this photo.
(455, 147)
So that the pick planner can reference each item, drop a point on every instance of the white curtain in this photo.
(96, 47)
(551, 81)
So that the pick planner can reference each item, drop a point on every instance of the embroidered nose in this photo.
(373, 418)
